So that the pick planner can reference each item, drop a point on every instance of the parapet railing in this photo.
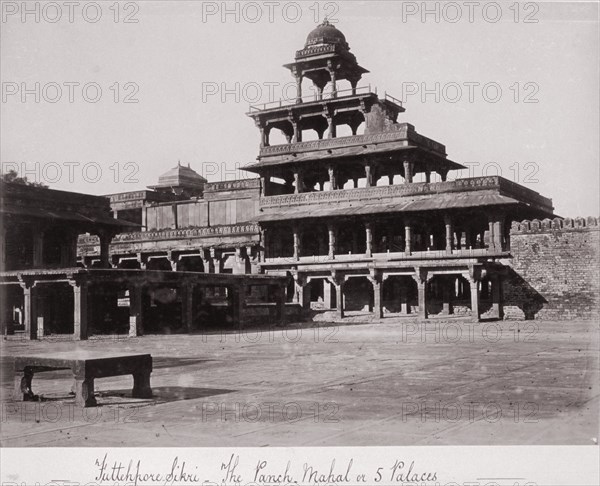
(284, 102)
(468, 253)
(169, 234)
(403, 190)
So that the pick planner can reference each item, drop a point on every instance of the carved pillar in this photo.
(331, 128)
(332, 73)
(298, 182)
(174, 260)
(30, 308)
(369, 240)
(499, 232)
(449, 234)
(408, 171)
(491, 235)
(216, 259)
(474, 277)
(332, 177)
(377, 283)
(368, 175)
(408, 238)
(297, 137)
(142, 260)
(338, 282)
(421, 277)
(80, 309)
(297, 242)
(298, 87)
(331, 229)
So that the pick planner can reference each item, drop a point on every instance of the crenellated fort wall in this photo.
(555, 269)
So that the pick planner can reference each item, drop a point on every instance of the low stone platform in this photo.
(86, 366)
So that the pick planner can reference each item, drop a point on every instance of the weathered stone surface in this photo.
(555, 269)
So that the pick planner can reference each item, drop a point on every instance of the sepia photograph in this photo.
(360, 238)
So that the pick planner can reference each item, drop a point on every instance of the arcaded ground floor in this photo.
(389, 382)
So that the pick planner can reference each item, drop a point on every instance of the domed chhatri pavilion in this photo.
(355, 208)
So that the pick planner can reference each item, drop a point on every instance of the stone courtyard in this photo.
(388, 382)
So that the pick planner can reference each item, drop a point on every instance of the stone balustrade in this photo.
(403, 190)
(172, 234)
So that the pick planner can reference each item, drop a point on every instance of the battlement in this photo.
(557, 224)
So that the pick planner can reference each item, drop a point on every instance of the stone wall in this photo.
(555, 269)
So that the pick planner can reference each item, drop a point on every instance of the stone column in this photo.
(80, 309)
(136, 310)
(377, 283)
(443, 174)
(297, 242)
(332, 73)
(216, 259)
(331, 128)
(327, 295)
(298, 88)
(421, 277)
(331, 229)
(491, 236)
(30, 308)
(369, 240)
(475, 299)
(339, 299)
(407, 238)
(498, 232)
(297, 137)
(428, 176)
(332, 178)
(369, 176)
(408, 171)
(174, 260)
(298, 182)
(449, 234)
(497, 296)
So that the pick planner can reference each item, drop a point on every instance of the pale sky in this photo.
(179, 53)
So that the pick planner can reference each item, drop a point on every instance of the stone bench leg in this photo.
(141, 385)
(84, 392)
(23, 390)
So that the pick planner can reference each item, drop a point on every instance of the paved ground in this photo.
(386, 383)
